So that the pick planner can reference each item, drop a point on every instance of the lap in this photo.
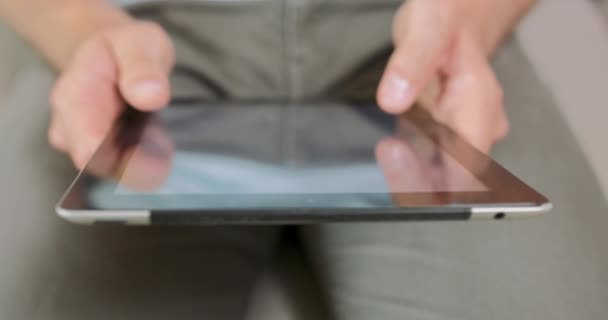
(546, 268)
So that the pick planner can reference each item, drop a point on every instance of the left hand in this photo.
(439, 62)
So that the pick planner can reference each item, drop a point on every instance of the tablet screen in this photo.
(202, 155)
(290, 148)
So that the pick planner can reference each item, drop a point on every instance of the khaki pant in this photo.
(547, 268)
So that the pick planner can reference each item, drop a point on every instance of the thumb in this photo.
(424, 31)
(145, 56)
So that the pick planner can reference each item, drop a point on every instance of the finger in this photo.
(86, 102)
(423, 36)
(472, 101)
(145, 56)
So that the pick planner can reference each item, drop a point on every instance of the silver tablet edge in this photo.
(136, 218)
(506, 212)
(143, 217)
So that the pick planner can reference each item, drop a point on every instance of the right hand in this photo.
(130, 64)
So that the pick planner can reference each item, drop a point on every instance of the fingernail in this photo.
(145, 89)
(396, 93)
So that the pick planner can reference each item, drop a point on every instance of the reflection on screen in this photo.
(303, 149)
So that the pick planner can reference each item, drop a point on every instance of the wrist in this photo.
(490, 21)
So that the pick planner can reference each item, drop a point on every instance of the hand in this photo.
(127, 63)
(442, 64)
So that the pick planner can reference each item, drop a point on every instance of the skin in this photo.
(106, 57)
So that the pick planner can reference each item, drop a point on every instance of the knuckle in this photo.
(134, 31)
(150, 27)
(154, 31)
(147, 39)
(162, 39)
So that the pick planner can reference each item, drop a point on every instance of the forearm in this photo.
(57, 28)
(492, 20)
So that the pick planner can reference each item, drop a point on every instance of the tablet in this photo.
(264, 162)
